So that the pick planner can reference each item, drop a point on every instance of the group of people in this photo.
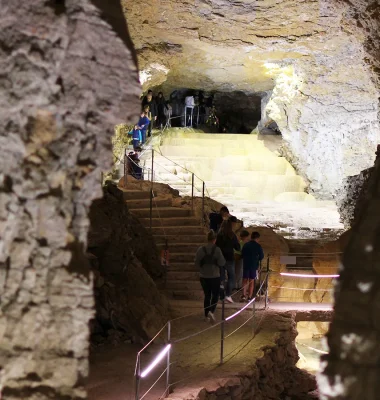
(153, 113)
(226, 263)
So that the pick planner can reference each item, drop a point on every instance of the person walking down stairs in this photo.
(209, 260)
(228, 242)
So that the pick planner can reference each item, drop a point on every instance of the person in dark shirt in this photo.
(228, 242)
(252, 253)
(149, 101)
(161, 106)
(216, 219)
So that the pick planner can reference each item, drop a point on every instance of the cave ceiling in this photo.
(228, 45)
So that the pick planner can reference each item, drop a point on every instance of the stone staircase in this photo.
(183, 233)
(258, 186)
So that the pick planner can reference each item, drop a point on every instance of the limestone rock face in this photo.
(127, 263)
(307, 56)
(57, 114)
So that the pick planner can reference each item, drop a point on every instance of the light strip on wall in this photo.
(159, 357)
(308, 275)
(242, 309)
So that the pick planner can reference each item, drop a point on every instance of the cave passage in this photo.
(237, 112)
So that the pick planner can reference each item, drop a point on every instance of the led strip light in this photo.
(308, 275)
(159, 357)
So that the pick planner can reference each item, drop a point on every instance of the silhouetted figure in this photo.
(228, 242)
(161, 107)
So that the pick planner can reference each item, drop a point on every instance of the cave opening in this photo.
(236, 111)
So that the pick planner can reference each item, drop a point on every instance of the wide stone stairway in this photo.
(183, 233)
(259, 186)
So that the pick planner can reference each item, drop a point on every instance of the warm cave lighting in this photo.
(159, 357)
(242, 309)
(308, 275)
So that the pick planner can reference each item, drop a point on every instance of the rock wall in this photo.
(68, 76)
(350, 371)
(126, 266)
(353, 195)
(326, 108)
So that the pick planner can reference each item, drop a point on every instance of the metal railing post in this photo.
(192, 192)
(266, 290)
(137, 378)
(151, 208)
(152, 170)
(168, 362)
(203, 203)
(253, 317)
(267, 282)
(222, 335)
(125, 170)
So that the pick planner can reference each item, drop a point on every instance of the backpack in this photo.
(209, 269)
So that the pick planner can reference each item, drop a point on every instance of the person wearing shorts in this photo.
(252, 253)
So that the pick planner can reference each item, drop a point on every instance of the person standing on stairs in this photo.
(216, 219)
(228, 242)
(149, 101)
(244, 238)
(252, 254)
(144, 123)
(161, 106)
(209, 260)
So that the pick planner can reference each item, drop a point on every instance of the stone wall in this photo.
(127, 268)
(67, 78)
(353, 195)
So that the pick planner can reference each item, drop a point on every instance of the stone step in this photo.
(136, 194)
(177, 230)
(182, 267)
(182, 257)
(183, 276)
(161, 212)
(183, 285)
(181, 247)
(145, 203)
(172, 222)
(181, 238)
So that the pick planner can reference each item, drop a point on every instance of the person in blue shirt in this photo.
(144, 123)
(252, 254)
(136, 137)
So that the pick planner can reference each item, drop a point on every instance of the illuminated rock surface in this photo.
(257, 185)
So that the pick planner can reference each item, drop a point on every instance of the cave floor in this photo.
(195, 362)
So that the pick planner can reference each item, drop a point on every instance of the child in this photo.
(244, 238)
(252, 254)
(136, 137)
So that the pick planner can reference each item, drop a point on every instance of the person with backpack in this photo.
(209, 259)
(252, 254)
(228, 242)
